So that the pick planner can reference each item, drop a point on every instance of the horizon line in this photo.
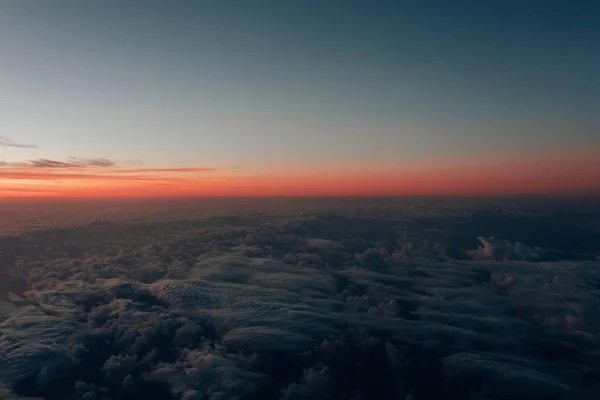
(547, 195)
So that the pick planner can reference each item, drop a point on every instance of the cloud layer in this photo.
(305, 300)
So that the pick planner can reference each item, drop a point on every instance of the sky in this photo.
(183, 98)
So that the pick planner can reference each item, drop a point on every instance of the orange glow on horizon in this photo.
(550, 173)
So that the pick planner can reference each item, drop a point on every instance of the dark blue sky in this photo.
(247, 82)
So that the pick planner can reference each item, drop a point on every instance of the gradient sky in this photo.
(298, 97)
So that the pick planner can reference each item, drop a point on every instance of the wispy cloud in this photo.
(46, 176)
(93, 163)
(6, 142)
(75, 169)
(90, 162)
(71, 162)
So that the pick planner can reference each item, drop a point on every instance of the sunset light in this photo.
(561, 172)
(299, 200)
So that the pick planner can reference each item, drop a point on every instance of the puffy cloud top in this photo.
(296, 304)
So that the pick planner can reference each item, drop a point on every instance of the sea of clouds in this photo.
(285, 299)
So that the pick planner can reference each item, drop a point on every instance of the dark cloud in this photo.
(90, 162)
(300, 303)
(45, 163)
(71, 162)
(6, 142)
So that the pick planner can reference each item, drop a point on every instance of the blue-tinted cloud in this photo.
(302, 302)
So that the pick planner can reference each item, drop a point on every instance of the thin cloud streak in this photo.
(74, 163)
(6, 142)
(71, 162)
(44, 176)
(77, 170)
(91, 162)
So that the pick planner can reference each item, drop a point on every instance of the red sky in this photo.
(555, 172)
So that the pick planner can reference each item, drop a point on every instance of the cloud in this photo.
(496, 249)
(17, 170)
(6, 142)
(88, 169)
(45, 163)
(80, 163)
(90, 162)
(71, 162)
(294, 300)
(44, 176)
